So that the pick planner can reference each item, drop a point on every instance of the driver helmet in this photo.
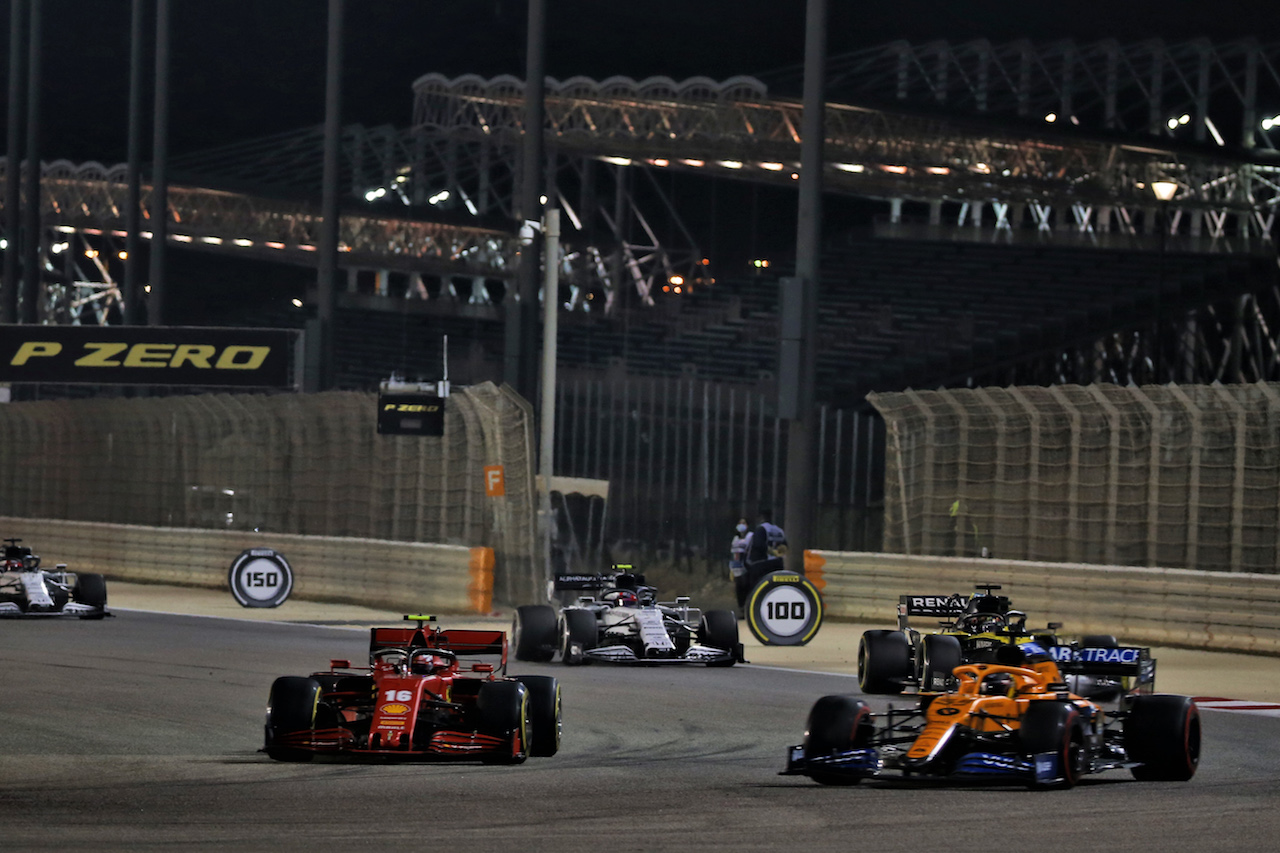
(425, 664)
(621, 598)
(996, 684)
(982, 623)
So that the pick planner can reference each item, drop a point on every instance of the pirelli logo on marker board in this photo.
(148, 355)
(410, 414)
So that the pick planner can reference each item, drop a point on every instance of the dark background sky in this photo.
(247, 68)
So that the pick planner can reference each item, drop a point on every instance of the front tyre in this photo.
(544, 714)
(836, 724)
(719, 630)
(91, 590)
(1054, 728)
(291, 710)
(533, 632)
(577, 635)
(1162, 733)
(504, 712)
(939, 656)
(884, 661)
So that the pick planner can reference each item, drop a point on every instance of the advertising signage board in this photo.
(150, 355)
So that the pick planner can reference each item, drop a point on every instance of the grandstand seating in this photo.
(893, 314)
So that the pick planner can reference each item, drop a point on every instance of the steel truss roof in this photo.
(93, 196)
(467, 130)
(91, 199)
(1225, 90)
(735, 129)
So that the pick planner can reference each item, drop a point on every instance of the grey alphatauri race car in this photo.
(28, 590)
(624, 623)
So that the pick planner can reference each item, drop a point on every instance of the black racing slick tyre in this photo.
(719, 630)
(836, 724)
(91, 589)
(533, 632)
(1099, 641)
(1055, 728)
(544, 714)
(939, 656)
(1162, 733)
(291, 708)
(504, 712)
(884, 661)
(577, 635)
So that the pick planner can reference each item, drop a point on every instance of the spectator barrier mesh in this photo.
(304, 464)
(1174, 476)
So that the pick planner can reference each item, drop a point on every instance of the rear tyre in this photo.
(91, 590)
(836, 724)
(533, 632)
(884, 661)
(504, 712)
(577, 635)
(1099, 641)
(1055, 728)
(544, 714)
(939, 655)
(1162, 732)
(291, 708)
(719, 630)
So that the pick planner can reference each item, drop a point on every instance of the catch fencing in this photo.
(686, 458)
(1174, 476)
(1224, 611)
(288, 464)
(406, 576)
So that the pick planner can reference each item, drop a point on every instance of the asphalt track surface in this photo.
(142, 731)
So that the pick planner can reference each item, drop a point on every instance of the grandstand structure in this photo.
(1019, 239)
(959, 131)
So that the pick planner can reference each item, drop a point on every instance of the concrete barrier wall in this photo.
(410, 576)
(1227, 611)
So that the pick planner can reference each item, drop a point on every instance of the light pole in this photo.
(1164, 193)
(798, 311)
(13, 163)
(550, 314)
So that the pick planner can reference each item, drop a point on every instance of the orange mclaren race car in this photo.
(422, 697)
(1011, 721)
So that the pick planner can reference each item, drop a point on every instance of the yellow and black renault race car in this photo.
(971, 629)
(1012, 721)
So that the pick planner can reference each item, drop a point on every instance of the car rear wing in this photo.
(1132, 662)
(461, 641)
(572, 582)
(942, 607)
(465, 641)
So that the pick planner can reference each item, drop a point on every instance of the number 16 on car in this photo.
(784, 609)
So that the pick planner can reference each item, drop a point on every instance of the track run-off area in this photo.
(142, 731)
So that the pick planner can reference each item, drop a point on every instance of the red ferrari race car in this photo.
(423, 697)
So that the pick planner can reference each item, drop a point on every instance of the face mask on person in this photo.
(742, 528)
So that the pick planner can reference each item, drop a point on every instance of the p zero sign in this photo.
(148, 355)
(410, 414)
